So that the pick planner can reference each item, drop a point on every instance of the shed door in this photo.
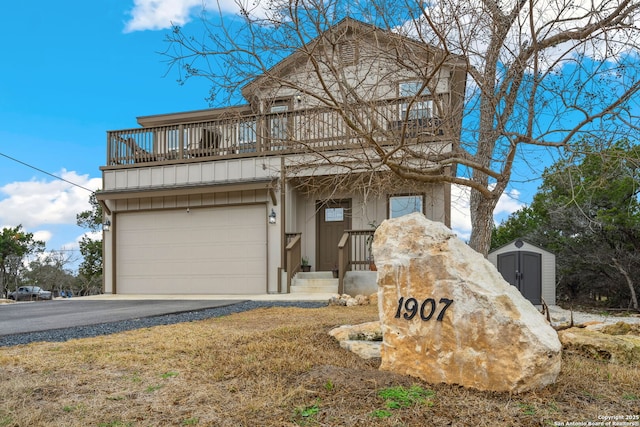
(523, 270)
(220, 250)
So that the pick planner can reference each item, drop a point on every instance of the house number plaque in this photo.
(427, 309)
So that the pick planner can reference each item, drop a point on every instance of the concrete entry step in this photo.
(314, 282)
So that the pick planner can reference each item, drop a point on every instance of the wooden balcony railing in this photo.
(354, 253)
(361, 255)
(343, 260)
(266, 134)
(293, 252)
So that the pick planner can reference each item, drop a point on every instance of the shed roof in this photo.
(514, 243)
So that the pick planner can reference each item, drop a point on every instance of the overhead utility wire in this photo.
(46, 173)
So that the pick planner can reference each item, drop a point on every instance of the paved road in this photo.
(39, 316)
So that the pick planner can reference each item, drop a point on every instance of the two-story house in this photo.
(231, 200)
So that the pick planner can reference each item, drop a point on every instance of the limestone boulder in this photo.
(369, 331)
(363, 339)
(448, 316)
(618, 348)
(349, 301)
(373, 299)
(621, 328)
(364, 349)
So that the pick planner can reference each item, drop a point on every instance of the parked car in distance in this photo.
(29, 293)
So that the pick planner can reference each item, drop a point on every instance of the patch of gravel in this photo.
(59, 335)
(562, 316)
(558, 316)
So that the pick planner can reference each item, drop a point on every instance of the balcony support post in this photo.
(181, 141)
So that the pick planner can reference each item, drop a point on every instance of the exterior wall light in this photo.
(272, 217)
(106, 226)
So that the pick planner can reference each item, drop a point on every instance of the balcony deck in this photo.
(294, 132)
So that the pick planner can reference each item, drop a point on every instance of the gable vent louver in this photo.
(348, 53)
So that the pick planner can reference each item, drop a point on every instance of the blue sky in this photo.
(72, 70)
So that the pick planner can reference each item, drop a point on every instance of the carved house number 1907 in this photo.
(411, 308)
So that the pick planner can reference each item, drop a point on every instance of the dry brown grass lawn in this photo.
(271, 367)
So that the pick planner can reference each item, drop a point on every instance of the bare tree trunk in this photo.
(634, 297)
(481, 222)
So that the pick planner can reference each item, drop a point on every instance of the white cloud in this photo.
(37, 204)
(460, 215)
(460, 219)
(75, 244)
(508, 203)
(93, 235)
(474, 23)
(42, 235)
(162, 14)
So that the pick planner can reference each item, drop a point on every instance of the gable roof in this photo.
(347, 26)
(343, 29)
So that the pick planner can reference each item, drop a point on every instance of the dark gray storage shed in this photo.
(529, 268)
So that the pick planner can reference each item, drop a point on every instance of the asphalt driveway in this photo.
(20, 318)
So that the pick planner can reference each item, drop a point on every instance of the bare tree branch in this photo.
(538, 75)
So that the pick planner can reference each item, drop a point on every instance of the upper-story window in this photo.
(279, 121)
(415, 108)
(404, 205)
(247, 136)
(247, 132)
(413, 88)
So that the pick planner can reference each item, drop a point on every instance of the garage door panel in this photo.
(208, 250)
(217, 267)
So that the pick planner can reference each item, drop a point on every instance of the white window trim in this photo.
(420, 108)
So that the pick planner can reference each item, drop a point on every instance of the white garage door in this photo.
(219, 250)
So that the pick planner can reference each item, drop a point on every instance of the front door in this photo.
(333, 219)
(523, 270)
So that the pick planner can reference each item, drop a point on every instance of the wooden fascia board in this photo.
(191, 116)
(104, 206)
(185, 190)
